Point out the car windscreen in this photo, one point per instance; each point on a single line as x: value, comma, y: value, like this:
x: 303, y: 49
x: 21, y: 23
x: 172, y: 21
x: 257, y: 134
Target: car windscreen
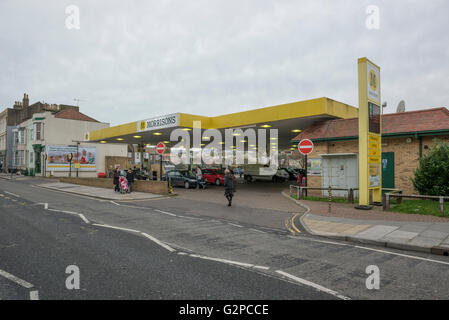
x: 188, y: 174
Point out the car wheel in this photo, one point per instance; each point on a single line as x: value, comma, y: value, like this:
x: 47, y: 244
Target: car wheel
x: 248, y: 178
x: 217, y: 182
x: 186, y: 185
x: 275, y: 179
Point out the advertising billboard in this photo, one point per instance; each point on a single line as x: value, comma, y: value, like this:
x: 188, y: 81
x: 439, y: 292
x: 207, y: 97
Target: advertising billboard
x: 58, y: 158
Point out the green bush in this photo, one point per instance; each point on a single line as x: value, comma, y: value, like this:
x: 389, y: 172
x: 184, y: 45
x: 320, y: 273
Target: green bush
x: 432, y: 176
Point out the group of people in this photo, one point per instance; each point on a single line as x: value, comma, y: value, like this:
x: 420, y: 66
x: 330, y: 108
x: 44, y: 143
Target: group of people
x: 123, y: 182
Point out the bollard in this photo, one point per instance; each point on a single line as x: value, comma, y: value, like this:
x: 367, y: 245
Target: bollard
x: 387, y: 202
x: 351, y: 196
x: 298, y: 193
x: 442, y: 205
x: 330, y: 198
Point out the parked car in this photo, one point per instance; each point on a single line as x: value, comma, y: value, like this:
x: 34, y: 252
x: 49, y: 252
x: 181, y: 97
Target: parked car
x: 292, y: 175
x: 214, y: 176
x: 183, y: 178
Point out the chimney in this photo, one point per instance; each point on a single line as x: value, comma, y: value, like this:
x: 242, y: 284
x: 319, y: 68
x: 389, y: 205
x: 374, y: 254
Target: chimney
x: 26, y: 101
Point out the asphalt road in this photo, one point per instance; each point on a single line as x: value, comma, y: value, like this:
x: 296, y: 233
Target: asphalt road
x: 190, y: 250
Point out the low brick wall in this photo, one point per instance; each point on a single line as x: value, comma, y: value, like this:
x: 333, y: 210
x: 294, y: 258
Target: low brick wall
x: 149, y: 186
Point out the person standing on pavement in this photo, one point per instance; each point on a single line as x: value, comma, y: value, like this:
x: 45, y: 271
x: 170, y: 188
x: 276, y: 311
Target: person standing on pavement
x: 117, y: 179
x: 130, y: 178
x: 229, y: 186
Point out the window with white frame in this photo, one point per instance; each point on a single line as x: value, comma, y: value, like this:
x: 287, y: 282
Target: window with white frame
x: 19, y: 158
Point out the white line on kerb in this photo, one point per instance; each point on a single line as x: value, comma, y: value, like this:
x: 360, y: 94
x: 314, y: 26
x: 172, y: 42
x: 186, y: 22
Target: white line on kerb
x: 313, y: 285
x: 13, y: 194
x: 262, y: 267
x: 165, y: 212
x: 13, y: 278
x: 163, y: 245
x: 112, y: 227
x: 34, y: 295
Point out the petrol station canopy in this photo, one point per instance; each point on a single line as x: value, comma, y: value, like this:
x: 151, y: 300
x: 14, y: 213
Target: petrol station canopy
x: 289, y: 119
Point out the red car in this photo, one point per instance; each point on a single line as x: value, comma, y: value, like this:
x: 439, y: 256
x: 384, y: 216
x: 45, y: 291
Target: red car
x: 214, y: 176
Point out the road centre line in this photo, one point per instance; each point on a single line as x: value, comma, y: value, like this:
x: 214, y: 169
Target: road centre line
x: 248, y: 265
x: 158, y: 242
x: 112, y: 227
x: 15, y: 279
x: 235, y: 225
x: 84, y: 218
x: 165, y: 212
x: 12, y: 194
x: 312, y: 284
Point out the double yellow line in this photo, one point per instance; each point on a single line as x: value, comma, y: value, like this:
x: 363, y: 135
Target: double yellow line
x: 290, y: 224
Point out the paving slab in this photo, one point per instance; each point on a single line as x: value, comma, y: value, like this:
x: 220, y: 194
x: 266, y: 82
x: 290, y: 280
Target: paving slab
x: 425, y: 242
x: 377, y: 232
x: 434, y: 234
x: 400, y: 235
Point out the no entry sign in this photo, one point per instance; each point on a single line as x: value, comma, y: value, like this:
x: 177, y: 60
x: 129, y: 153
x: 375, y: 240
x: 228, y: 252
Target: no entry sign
x: 160, y: 148
x: 305, y: 146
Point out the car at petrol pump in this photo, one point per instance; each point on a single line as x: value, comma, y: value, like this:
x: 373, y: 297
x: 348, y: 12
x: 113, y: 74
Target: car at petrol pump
x: 214, y: 176
x: 183, y: 178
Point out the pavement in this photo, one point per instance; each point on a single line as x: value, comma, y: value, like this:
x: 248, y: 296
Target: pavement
x: 101, y: 193
x: 412, y: 232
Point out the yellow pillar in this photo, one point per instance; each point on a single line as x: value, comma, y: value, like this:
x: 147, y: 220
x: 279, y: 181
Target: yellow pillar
x: 370, y: 126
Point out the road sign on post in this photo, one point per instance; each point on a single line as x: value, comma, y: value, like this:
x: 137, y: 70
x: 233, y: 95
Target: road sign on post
x: 305, y: 147
x: 160, y: 148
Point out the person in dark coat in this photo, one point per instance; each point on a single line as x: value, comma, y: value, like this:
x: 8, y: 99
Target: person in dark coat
x: 117, y: 179
x: 130, y: 178
x: 229, y: 186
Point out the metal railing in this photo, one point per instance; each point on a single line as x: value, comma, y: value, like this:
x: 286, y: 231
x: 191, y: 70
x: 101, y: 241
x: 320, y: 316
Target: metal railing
x: 399, y: 196
x: 300, y: 191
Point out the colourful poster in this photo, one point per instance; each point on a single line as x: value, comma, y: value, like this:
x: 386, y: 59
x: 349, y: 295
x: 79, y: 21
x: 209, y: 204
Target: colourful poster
x: 58, y: 158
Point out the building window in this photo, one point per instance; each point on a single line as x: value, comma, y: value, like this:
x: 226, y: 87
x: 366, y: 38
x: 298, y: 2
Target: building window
x: 19, y: 158
x: 31, y: 158
x: 38, y: 134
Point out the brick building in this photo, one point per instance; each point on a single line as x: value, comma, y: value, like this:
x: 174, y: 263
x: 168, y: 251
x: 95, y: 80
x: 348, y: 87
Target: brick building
x: 406, y: 137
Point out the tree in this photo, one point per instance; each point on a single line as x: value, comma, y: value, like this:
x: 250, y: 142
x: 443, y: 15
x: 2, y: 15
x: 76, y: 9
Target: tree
x: 432, y: 176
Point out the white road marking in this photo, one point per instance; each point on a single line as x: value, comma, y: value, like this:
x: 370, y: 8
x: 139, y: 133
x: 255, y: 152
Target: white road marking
x: 257, y: 230
x: 182, y: 253
x: 112, y: 227
x: 223, y: 260
x: 84, y: 218
x: 113, y: 202
x: 321, y: 241
x: 13, y: 194
x: 313, y: 285
x: 191, y: 218
x: 15, y: 279
x: 165, y: 212
x: 163, y: 245
x: 235, y: 225
x: 403, y: 255
x: 34, y: 295
x: 262, y: 267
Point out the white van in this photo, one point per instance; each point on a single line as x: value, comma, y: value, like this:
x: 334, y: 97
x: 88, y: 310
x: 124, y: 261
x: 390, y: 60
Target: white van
x: 255, y: 172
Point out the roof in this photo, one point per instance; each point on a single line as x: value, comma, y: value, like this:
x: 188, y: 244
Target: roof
x: 405, y: 122
x: 72, y: 114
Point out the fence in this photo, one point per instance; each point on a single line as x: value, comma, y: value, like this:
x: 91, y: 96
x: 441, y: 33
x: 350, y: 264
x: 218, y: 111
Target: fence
x: 387, y: 196
x: 301, y: 190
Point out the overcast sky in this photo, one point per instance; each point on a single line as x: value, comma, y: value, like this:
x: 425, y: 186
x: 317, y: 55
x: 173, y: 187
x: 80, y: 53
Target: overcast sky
x: 132, y: 60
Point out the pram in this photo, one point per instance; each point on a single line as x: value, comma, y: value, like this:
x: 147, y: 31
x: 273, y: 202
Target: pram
x: 123, y: 185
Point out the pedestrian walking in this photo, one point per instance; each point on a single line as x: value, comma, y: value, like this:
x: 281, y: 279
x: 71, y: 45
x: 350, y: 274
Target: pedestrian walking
x: 130, y: 178
x: 117, y: 179
x: 229, y: 186
x: 198, y: 176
